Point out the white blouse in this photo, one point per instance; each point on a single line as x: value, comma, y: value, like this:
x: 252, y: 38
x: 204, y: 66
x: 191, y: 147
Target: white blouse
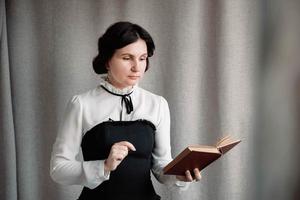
x: 85, y: 111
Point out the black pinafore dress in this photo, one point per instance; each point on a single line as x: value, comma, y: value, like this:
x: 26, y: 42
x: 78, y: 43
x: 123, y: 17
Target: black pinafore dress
x: 132, y: 178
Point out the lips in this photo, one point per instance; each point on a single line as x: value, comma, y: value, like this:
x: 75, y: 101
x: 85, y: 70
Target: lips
x: 133, y: 77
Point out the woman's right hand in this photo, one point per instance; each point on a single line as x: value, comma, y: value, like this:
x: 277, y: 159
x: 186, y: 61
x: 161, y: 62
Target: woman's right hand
x: 117, y: 153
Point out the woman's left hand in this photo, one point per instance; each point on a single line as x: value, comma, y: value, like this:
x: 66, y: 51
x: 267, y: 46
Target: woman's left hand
x: 188, y: 177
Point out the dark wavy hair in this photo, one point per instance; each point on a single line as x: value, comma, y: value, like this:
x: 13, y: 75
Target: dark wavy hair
x: 119, y: 35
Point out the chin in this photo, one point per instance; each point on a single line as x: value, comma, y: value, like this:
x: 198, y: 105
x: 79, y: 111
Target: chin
x: 132, y: 82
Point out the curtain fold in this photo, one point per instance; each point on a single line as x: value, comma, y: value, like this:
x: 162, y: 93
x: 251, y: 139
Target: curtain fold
x: 8, y: 183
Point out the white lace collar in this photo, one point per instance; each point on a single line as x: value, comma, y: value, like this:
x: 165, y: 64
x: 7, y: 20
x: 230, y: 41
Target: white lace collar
x: 113, y: 89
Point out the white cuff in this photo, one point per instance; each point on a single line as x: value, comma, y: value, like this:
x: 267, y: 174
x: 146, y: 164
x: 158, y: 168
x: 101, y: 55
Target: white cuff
x: 94, y: 173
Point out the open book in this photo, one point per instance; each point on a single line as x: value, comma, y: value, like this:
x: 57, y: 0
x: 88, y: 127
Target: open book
x: 199, y: 156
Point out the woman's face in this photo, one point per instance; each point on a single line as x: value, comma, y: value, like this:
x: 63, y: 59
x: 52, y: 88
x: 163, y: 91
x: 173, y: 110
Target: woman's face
x: 128, y: 64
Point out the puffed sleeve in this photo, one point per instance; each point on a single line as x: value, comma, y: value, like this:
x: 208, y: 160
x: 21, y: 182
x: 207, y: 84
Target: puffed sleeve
x: 162, y: 151
x: 64, y: 167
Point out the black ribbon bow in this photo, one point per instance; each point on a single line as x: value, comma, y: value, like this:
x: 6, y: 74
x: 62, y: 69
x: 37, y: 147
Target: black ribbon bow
x: 125, y: 98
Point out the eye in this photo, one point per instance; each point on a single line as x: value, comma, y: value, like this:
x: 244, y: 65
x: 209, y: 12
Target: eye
x: 126, y: 58
x: 143, y: 58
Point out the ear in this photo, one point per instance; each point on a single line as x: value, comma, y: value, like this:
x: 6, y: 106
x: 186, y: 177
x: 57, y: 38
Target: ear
x: 107, y: 66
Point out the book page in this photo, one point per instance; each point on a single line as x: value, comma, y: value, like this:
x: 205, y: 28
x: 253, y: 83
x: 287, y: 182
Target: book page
x: 204, y: 148
x: 227, y: 144
x: 223, y: 140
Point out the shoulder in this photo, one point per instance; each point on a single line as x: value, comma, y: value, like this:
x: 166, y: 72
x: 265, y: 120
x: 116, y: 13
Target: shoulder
x: 156, y: 103
x: 151, y: 96
x: 85, y: 99
x: 91, y: 93
x: 88, y: 95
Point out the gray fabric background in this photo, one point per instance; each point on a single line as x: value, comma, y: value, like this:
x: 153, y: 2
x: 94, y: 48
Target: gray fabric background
x: 225, y: 67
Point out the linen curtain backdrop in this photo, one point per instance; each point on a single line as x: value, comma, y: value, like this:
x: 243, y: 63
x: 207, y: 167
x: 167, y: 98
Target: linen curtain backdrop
x: 225, y: 67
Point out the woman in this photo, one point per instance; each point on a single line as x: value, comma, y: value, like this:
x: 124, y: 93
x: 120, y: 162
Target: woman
x: 122, y: 129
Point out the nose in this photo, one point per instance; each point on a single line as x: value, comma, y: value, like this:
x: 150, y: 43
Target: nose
x: 135, y: 66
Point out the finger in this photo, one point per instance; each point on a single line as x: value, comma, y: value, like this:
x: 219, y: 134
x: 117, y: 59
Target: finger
x: 118, y: 158
x: 119, y: 147
x: 188, y: 175
x: 120, y: 155
x: 197, y: 174
x: 128, y: 145
x: 181, y: 178
x: 114, y: 151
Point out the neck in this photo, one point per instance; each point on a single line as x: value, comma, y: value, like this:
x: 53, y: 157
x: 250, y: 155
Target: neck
x: 111, y: 87
x: 116, y: 85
